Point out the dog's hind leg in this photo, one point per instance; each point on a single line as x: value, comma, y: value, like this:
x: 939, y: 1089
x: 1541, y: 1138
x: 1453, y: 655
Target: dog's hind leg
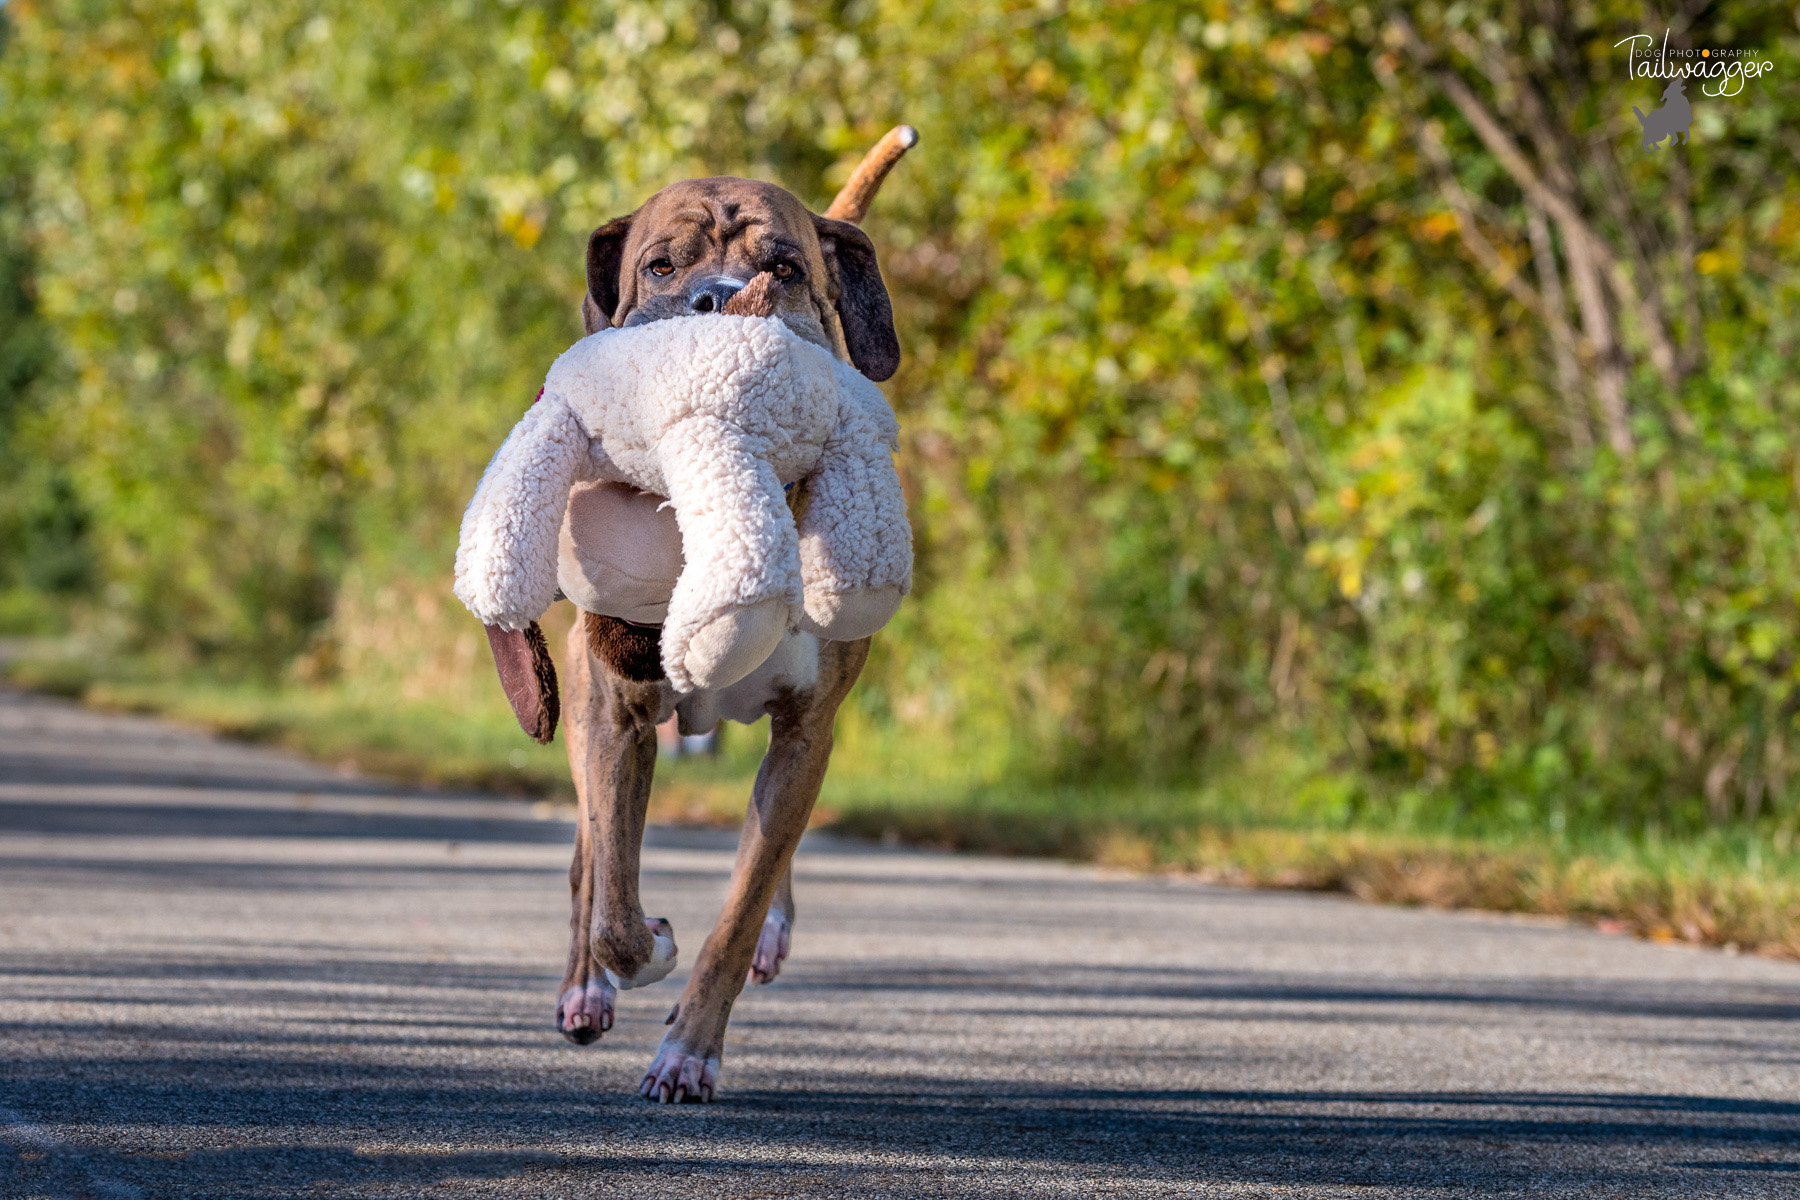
x: 777, y: 932
x: 611, y: 732
x: 686, y: 1067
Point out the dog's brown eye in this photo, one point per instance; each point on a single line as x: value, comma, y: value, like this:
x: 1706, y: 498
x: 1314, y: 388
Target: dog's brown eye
x: 662, y: 266
x: 784, y: 270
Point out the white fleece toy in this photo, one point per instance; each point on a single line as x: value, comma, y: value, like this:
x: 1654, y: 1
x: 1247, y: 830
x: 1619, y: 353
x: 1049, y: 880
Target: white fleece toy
x: 718, y: 413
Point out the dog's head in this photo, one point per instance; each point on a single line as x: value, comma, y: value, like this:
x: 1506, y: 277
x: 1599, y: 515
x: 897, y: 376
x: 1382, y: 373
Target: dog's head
x: 694, y: 245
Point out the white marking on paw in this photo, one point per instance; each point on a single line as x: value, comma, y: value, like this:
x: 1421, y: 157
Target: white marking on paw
x: 662, y: 961
x: 771, y: 948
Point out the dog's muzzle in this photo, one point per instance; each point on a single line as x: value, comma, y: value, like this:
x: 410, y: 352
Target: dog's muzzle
x: 711, y: 294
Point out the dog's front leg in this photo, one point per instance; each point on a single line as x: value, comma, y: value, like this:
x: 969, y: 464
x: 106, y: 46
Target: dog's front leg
x: 611, y: 732
x: 687, y: 1065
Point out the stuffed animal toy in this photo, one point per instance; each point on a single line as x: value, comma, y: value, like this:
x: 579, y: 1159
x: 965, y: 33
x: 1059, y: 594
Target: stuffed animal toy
x: 650, y: 481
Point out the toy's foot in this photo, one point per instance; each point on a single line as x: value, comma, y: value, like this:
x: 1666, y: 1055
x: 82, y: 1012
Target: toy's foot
x: 849, y: 616
x: 678, y: 1075
x: 663, y: 957
x: 585, y: 1010
x: 728, y: 647
x: 771, y: 949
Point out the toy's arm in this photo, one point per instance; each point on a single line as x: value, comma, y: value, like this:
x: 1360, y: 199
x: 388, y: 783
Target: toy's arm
x: 855, y: 543
x: 506, y: 556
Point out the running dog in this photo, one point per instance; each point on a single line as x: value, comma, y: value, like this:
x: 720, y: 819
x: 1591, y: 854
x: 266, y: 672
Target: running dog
x: 705, y: 246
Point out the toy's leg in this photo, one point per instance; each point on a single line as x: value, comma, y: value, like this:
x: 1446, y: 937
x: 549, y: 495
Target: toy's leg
x: 687, y: 1065
x: 855, y: 543
x: 611, y: 731
x: 732, y: 604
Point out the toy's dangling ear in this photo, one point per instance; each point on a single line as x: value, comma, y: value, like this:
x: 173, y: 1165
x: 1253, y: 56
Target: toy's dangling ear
x: 528, y: 675
x: 754, y: 299
x: 862, y: 298
x: 605, y: 257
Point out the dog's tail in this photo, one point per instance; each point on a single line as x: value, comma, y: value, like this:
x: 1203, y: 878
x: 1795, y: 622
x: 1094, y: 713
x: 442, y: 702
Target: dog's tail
x: 1640, y: 116
x: 852, y: 203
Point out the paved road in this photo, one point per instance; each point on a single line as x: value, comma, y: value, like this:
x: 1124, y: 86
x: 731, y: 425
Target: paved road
x: 226, y: 973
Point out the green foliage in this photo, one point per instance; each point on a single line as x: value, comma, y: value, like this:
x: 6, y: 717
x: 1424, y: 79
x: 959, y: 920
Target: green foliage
x: 1255, y: 395
x: 41, y: 547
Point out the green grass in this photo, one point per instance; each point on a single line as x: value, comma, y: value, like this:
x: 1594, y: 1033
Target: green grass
x: 445, y: 741
x: 1275, y: 819
x: 405, y: 739
x: 1736, y: 888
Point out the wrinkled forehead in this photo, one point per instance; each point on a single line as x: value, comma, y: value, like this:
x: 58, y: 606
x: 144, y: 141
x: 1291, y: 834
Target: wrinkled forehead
x: 692, y: 216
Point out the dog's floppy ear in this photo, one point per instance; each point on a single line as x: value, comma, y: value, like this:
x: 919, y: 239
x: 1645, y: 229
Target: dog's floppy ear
x: 605, y: 255
x: 862, y: 299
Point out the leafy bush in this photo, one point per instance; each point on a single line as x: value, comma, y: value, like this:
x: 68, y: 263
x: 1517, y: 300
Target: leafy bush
x: 1316, y: 376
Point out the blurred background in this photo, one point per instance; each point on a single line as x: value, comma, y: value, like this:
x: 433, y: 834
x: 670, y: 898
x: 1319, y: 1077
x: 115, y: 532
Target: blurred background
x: 1339, y: 452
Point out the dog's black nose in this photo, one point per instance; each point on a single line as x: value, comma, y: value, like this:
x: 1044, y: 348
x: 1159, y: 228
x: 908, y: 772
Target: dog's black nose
x: 713, y: 294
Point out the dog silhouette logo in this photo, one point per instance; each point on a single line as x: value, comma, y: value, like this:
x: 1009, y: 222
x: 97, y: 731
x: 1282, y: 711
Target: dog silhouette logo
x: 1672, y: 119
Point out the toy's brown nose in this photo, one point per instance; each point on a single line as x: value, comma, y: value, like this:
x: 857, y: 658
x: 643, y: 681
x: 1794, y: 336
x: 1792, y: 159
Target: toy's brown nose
x: 713, y: 294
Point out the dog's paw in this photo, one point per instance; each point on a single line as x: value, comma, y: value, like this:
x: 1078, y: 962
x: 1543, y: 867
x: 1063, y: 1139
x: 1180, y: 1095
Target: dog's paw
x: 663, y: 956
x: 771, y: 948
x: 585, y: 1011
x: 677, y: 1076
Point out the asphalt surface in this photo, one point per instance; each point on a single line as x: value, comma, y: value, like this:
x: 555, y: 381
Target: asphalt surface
x: 227, y: 973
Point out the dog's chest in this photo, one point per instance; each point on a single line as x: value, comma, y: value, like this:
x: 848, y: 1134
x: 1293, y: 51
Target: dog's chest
x: 794, y: 666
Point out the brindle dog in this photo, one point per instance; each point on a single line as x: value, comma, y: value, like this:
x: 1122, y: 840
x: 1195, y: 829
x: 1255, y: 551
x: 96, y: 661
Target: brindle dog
x: 704, y: 246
